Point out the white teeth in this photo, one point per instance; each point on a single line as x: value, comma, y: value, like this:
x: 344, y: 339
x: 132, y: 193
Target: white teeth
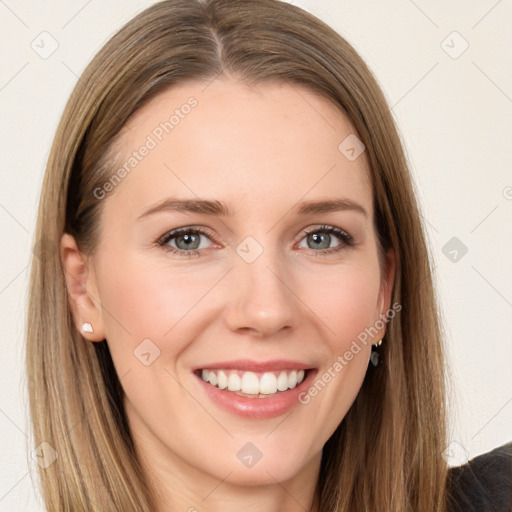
x: 222, y: 380
x: 234, y: 382
x: 213, y: 378
x: 250, y: 383
x: 292, y: 379
x: 282, y: 382
x: 268, y: 384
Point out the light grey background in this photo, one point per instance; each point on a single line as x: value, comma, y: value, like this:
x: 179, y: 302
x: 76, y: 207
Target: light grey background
x: 453, y: 108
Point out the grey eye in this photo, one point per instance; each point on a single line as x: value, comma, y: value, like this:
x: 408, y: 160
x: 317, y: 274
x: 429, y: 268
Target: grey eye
x: 188, y: 241
x: 319, y: 240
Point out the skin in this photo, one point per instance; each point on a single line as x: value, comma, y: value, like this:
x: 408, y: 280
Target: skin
x: 261, y: 150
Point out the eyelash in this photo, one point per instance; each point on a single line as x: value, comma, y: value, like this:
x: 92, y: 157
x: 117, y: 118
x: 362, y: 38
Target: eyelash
x: 347, y: 240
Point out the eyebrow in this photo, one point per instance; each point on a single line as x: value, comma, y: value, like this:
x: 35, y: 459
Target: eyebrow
x: 214, y: 207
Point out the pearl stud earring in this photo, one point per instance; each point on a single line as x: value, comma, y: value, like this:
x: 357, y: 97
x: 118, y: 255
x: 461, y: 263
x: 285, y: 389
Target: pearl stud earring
x: 87, y: 327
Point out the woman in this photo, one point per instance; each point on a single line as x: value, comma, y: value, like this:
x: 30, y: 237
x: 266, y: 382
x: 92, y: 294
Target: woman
x: 234, y: 306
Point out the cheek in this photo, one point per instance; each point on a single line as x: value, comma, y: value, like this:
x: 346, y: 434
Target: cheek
x: 346, y: 300
x: 142, y: 300
x: 346, y: 303
x: 151, y: 314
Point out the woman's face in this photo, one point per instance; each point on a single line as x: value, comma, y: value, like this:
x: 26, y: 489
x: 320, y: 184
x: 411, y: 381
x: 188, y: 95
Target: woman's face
x: 273, y: 278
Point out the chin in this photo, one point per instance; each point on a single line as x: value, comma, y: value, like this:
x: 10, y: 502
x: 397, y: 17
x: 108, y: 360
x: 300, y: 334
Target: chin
x: 252, y: 466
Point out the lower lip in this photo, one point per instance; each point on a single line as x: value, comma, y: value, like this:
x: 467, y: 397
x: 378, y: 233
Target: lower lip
x: 270, y: 406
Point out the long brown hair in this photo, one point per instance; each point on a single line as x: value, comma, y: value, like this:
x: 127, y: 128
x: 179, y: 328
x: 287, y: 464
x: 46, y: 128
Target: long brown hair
x: 386, y: 455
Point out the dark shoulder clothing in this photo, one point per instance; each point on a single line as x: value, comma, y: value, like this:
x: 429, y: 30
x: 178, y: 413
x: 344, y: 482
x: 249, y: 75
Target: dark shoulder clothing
x: 484, y: 484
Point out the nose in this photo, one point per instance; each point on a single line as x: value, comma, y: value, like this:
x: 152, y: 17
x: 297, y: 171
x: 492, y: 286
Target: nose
x: 261, y: 299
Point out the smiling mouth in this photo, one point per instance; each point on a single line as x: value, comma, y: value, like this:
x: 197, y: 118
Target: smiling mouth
x: 253, y: 384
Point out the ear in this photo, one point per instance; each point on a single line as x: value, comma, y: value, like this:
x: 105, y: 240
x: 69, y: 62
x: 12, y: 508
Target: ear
x: 82, y: 290
x: 386, y: 287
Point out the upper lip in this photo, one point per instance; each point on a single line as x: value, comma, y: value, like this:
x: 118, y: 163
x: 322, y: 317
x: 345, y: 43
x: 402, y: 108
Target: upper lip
x: 255, y: 366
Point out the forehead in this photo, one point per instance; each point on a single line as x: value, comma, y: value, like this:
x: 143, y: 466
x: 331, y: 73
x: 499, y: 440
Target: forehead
x: 228, y: 140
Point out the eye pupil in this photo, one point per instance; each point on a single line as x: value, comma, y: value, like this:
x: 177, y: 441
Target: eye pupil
x: 324, y: 239
x: 189, y: 240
